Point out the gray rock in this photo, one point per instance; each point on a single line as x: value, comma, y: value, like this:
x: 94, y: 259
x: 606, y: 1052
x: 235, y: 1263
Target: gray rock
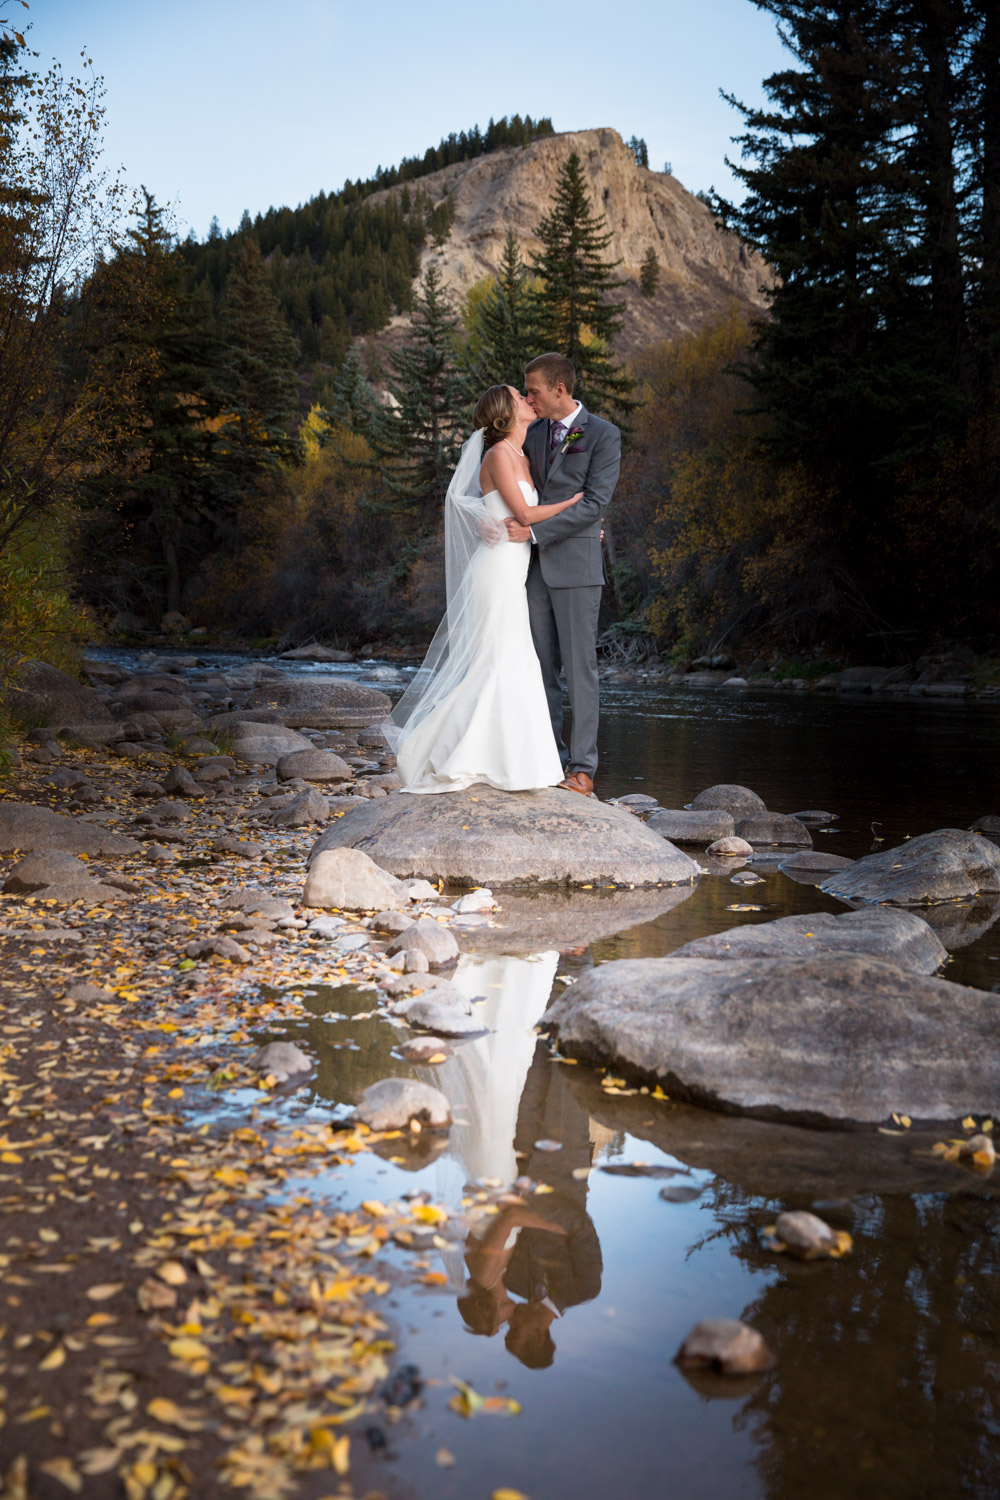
x: 990, y: 825
x: 266, y: 744
x: 43, y: 690
x: 415, y: 962
x: 815, y: 818
x: 241, y: 848
x: 773, y: 828
x: 25, y: 828
x: 257, y: 903
x: 209, y: 775
x: 390, y: 921
x: 443, y: 1010
x: 89, y: 994
x: 157, y: 854
x: 806, y: 1235
x: 179, y: 779
x: 308, y: 807
x: 280, y: 1060
x: 480, y: 900
x: 428, y: 937
x: 901, y: 937
x: 148, y: 789
x: 315, y: 652
x: 725, y: 1345
x: 66, y: 892
x: 321, y: 702
x: 167, y: 811
x: 51, y: 867
x: 637, y: 799
x: 348, y: 880
x: 421, y: 890
x: 836, y: 1038
x: 813, y: 861
x: 730, y: 848
x: 313, y: 765
x: 946, y: 865
x: 327, y: 927
x: 738, y: 800
x: 685, y: 827
x: 388, y: 781
x: 484, y: 837
x: 392, y: 1103
x: 218, y: 947
x: 959, y: 923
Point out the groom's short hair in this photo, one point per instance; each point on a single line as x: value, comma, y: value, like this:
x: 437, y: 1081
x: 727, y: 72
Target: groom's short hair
x: 553, y: 368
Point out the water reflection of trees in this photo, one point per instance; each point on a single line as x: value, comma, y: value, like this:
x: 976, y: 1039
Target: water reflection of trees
x: 887, y: 1369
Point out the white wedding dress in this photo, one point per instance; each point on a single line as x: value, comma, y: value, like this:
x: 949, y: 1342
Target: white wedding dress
x: 477, y: 711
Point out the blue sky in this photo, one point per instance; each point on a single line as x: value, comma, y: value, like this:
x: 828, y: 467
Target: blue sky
x: 221, y: 106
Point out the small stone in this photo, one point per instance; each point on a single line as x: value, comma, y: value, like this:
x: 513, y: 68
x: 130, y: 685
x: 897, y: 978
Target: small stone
x: 179, y: 779
x: 313, y: 765
x: 242, y: 848
x: 392, y: 1103
x: 391, y: 922
x: 421, y: 890
x: 168, y: 811
x: 148, y: 789
x: 479, y: 900
x: 773, y: 828
x: 724, y: 1344
x: 444, y: 1010
x: 731, y: 847
x: 738, y: 800
x: 637, y: 799
x: 414, y: 961
x: 88, y: 994
x: 158, y: 855
x: 979, y: 1147
x: 209, y: 775
x: 681, y: 826
x: 280, y: 1060
x: 308, y: 807
x: 433, y: 940
x: 218, y: 947
x: 807, y: 1237
x: 814, y: 818
x: 424, y: 1049
x: 327, y: 927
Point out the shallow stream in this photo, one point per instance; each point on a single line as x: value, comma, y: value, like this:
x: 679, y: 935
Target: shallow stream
x: 646, y: 1216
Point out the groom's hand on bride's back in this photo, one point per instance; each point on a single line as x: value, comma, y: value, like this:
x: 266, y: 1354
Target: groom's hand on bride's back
x: 516, y: 532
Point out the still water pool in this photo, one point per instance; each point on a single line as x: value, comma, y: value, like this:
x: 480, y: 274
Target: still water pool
x: 649, y: 1214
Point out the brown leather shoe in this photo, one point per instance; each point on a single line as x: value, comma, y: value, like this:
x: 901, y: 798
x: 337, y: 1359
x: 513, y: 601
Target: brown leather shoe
x: 579, y: 781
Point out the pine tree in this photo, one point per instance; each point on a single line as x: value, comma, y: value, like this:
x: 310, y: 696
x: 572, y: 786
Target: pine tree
x: 569, y: 311
x: 639, y: 150
x: 259, y: 381
x: 353, y: 404
x: 500, y: 340
x: 649, y: 274
x: 423, y: 436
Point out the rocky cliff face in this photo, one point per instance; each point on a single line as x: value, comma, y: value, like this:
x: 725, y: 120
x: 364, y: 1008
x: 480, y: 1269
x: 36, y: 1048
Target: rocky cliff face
x: 702, y: 269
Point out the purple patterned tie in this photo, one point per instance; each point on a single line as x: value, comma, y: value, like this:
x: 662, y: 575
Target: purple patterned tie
x: 556, y: 434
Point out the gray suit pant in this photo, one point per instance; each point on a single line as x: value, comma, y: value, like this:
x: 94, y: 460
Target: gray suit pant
x: 564, y: 630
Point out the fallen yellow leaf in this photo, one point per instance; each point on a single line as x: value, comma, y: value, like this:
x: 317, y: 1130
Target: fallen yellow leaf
x: 53, y: 1360
x: 104, y: 1290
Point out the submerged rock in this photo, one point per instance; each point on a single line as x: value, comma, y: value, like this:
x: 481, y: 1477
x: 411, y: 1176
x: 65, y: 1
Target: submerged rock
x: 941, y: 866
x: 282, y: 1060
x: 726, y: 1345
x: 730, y: 848
x: 834, y: 1038
x: 428, y: 937
x: 773, y: 828
x: 899, y: 936
x: 484, y: 837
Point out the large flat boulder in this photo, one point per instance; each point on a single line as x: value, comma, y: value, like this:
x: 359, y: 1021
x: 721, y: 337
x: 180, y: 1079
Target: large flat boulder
x: 321, y: 702
x: 949, y: 864
x: 25, y: 827
x: 880, y: 931
x: 843, y: 1039
x: 57, y: 700
x: 481, y: 836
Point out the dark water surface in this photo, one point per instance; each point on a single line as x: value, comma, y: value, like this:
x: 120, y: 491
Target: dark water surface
x: 887, y: 1375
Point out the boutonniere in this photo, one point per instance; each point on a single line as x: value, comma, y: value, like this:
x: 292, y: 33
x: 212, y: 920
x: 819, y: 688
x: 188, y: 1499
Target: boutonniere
x: 570, y: 438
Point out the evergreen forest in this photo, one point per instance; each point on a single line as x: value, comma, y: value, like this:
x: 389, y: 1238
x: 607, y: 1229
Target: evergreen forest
x: 209, y: 428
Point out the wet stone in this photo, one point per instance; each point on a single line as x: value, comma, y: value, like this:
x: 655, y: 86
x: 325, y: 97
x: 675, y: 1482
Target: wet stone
x: 430, y: 938
x: 218, y: 947
x: 280, y: 1060
x: 726, y: 1345
x: 730, y: 848
x: 392, y: 1103
x: 731, y: 798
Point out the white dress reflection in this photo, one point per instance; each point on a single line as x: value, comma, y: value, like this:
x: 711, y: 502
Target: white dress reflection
x: 484, y: 1079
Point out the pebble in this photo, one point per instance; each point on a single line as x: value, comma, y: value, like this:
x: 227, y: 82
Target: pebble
x: 726, y: 1345
x: 392, y: 1103
x: 280, y: 1060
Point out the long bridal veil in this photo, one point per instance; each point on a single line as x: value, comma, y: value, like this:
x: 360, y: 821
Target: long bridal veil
x: 468, y: 531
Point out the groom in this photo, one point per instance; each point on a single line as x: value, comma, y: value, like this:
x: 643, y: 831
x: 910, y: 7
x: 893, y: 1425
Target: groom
x: 569, y: 449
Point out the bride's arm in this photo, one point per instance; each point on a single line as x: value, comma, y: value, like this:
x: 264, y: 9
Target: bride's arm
x: 499, y: 470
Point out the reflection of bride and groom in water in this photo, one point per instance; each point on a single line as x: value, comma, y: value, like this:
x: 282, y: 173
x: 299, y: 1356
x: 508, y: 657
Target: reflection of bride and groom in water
x: 523, y: 1267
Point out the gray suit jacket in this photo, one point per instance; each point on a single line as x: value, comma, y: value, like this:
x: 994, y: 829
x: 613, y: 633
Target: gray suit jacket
x: 569, y: 545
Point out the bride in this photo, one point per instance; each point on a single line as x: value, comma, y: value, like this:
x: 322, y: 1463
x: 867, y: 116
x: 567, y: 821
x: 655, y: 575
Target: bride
x: 476, y: 710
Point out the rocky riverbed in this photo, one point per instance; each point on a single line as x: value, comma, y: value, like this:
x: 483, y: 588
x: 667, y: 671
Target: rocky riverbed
x: 191, y: 1300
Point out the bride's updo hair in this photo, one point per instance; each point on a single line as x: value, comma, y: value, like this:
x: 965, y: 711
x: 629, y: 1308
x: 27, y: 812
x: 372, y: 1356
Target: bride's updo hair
x: 496, y: 414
